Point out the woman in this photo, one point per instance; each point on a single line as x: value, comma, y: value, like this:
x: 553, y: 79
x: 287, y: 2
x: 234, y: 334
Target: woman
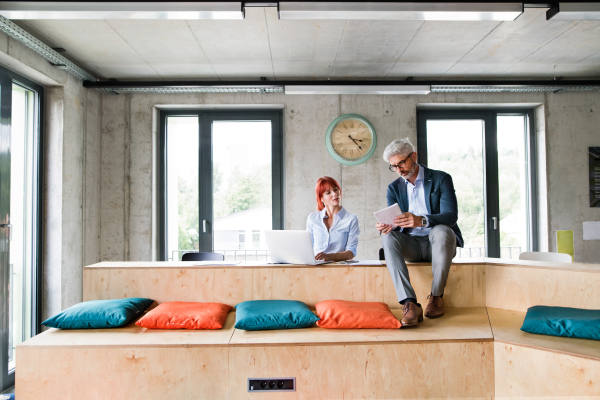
x: 333, y: 230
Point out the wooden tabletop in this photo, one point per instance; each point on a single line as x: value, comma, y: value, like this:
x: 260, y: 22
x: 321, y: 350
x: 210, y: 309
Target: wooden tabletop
x: 506, y: 326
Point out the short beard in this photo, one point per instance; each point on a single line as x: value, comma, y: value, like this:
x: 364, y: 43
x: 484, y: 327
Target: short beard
x: 411, y: 171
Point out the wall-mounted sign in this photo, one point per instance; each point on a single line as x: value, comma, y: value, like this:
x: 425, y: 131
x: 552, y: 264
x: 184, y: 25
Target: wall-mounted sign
x: 594, y: 155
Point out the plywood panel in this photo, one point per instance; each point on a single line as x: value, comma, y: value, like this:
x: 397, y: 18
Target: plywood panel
x: 464, y: 287
x: 159, y: 284
x: 525, y: 372
x: 262, y: 284
x: 95, y: 284
x: 205, y: 285
x: 458, y: 324
x: 506, y: 326
x: 390, y: 371
x: 518, y: 288
x: 122, y: 373
x: 315, y: 284
x: 374, y: 278
x: 232, y: 286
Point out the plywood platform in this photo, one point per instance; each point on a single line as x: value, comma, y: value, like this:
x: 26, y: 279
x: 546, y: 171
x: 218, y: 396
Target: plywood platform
x: 458, y: 325
x: 472, y: 352
x: 506, y: 326
x: 133, y: 336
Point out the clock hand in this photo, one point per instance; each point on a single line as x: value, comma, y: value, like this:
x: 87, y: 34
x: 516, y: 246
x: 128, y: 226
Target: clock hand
x: 355, y: 142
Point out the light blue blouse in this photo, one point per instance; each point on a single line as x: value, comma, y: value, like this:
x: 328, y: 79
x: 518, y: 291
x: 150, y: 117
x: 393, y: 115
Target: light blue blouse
x: 342, y: 236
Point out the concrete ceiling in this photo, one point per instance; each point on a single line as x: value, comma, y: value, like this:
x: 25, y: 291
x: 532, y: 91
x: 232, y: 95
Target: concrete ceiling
x: 264, y: 46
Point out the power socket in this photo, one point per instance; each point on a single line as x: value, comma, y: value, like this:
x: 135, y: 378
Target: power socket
x: 271, y: 385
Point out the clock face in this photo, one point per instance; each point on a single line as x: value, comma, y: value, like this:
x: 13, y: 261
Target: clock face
x: 351, y: 139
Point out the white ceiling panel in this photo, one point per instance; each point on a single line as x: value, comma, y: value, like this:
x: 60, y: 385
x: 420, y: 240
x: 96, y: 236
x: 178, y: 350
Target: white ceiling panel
x: 439, y: 45
x: 371, y: 48
x: 169, y: 47
x: 507, y: 45
x: 95, y: 45
x: 567, y: 52
x: 236, y: 49
x: 303, y: 49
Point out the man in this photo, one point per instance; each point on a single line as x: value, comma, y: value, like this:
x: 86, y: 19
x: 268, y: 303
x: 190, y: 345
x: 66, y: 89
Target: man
x: 426, y: 231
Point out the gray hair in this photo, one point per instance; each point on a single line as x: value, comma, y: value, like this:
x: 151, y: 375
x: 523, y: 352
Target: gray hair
x: 402, y: 147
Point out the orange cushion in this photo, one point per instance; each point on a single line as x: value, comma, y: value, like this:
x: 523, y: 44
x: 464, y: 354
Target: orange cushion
x: 340, y: 314
x: 182, y: 315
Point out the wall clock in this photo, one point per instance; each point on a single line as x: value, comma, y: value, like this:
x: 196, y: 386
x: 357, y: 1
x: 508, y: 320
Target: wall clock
x: 351, y: 139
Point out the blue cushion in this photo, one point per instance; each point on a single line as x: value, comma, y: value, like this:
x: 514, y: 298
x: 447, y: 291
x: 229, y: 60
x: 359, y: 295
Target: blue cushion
x: 563, y: 321
x: 258, y: 315
x: 99, y: 314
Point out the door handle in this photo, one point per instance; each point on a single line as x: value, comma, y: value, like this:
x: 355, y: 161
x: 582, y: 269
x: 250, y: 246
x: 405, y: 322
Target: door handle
x: 495, y: 221
x: 9, y: 227
x: 204, y: 223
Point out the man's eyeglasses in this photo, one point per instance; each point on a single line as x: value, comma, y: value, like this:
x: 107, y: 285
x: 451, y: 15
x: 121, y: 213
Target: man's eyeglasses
x: 401, y: 164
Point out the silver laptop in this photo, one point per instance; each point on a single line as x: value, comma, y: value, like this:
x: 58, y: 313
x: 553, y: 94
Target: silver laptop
x: 291, y: 247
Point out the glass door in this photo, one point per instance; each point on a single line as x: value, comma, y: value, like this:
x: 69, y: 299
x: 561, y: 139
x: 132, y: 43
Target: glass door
x: 20, y: 208
x: 242, y: 188
x: 222, y: 174
x: 456, y: 147
x: 489, y: 155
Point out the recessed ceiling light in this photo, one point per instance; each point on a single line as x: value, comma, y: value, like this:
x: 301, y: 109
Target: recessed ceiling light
x: 401, y: 11
x: 120, y: 10
x: 574, y: 12
x: 357, y: 89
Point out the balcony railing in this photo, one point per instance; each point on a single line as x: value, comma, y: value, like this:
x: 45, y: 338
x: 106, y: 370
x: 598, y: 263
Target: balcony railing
x: 263, y: 255
x: 230, y: 255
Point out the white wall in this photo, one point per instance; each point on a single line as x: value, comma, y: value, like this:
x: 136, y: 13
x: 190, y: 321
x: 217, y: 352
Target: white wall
x: 128, y: 134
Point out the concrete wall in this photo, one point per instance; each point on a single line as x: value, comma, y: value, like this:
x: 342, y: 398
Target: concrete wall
x: 568, y: 126
x: 71, y: 130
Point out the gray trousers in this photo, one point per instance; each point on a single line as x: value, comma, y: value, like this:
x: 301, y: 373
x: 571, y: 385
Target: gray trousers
x: 439, y: 247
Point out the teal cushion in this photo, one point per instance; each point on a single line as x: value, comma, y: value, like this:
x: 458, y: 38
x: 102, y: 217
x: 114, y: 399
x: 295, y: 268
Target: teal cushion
x: 99, y: 314
x: 258, y: 315
x: 563, y: 321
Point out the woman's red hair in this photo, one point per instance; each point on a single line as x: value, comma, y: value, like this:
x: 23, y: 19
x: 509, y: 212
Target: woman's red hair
x: 321, y: 187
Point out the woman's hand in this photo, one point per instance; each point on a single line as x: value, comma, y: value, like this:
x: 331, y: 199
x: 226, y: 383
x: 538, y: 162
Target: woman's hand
x: 384, y: 228
x: 323, y: 256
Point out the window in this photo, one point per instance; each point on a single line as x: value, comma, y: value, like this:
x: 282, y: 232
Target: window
x: 222, y: 174
x: 489, y: 154
x: 20, y: 215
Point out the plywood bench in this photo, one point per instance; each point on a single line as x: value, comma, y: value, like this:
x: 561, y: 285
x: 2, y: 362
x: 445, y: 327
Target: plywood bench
x: 451, y: 357
x: 471, y: 352
x: 528, y: 365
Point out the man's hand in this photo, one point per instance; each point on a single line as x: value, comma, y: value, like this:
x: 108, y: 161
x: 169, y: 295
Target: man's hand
x: 322, y: 256
x: 384, y: 228
x: 408, y: 220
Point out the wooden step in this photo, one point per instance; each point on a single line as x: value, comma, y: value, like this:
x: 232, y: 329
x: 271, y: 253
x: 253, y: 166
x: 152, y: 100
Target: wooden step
x: 540, y: 366
x: 450, y: 357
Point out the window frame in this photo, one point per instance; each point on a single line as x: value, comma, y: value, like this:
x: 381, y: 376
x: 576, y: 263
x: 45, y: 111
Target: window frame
x: 7, y: 79
x: 205, y: 120
x: 490, y: 154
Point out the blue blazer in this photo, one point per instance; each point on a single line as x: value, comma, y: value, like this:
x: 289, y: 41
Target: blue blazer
x: 439, y: 197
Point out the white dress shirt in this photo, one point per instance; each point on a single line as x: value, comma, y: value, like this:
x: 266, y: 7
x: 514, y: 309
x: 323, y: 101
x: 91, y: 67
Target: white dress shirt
x: 416, y: 203
x: 342, y: 236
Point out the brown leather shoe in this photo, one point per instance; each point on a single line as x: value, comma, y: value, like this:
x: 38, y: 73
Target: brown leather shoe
x: 435, y: 307
x: 412, y: 314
